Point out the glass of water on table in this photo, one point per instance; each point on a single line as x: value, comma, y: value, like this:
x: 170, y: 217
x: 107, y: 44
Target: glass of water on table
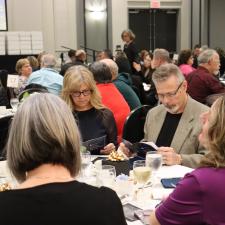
x: 85, y: 162
x: 154, y: 161
x: 14, y: 102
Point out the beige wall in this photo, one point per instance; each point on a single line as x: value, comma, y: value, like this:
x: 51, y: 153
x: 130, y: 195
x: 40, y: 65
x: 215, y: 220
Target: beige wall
x: 57, y: 21
x: 119, y: 21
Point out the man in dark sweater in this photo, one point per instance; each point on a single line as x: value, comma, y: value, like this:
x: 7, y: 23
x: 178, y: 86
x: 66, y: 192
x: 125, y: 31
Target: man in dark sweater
x: 203, y: 81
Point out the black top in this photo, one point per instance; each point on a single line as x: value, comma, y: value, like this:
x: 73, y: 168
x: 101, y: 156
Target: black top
x: 4, y: 97
x: 96, y: 123
x: 168, y: 129
x: 132, y: 54
x: 66, y: 66
x: 61, y: 204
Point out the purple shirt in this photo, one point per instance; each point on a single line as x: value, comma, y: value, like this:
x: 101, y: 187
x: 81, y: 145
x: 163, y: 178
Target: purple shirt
x: 199, y: 198
x: 201, y: 84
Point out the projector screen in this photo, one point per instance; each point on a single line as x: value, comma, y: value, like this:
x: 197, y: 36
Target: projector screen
x: 3, y: 16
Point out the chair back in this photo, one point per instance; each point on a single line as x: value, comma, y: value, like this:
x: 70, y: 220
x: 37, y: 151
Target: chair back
x: 133, y: 129
x: 210, y: 99
x: 4, y: 130
x: 29, y: 91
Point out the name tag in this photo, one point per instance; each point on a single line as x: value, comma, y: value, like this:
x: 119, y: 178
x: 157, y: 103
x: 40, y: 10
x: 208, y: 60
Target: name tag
x: 13, y: 81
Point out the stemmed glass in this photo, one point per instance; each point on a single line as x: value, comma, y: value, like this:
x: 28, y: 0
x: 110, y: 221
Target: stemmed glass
x: 141, y: 172
x: 154, y: 161
x: 14, y: 102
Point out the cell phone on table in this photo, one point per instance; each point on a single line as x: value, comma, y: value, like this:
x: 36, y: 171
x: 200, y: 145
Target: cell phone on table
x: 143, y: 215
x: 170, y: 182
x: 129, y: 211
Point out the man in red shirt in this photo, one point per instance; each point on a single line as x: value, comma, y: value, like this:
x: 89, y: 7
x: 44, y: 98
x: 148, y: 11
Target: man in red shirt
x: 203, y: 81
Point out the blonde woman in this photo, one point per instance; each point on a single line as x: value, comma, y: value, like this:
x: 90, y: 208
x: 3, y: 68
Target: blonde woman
x: 96, y: 122
x: 24, y: 69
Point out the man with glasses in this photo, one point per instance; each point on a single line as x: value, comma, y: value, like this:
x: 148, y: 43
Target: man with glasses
x: 203, y: 81
x: 174, y: 125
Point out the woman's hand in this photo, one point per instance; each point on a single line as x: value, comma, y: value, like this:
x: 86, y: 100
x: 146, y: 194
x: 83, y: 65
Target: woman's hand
x: 137, y: 66
x: 108, y: 149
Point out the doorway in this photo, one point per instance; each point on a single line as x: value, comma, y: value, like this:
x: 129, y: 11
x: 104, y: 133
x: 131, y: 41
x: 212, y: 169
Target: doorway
x: 154, y: 28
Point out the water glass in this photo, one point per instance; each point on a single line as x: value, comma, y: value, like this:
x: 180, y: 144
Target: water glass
x: 85, y: 162
x: 14, y: 102
x: 106, y: 176
x: 154, y: 161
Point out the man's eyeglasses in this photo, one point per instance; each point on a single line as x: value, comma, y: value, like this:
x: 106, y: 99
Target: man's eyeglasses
x: 169, y: 94
x: 78, y: 93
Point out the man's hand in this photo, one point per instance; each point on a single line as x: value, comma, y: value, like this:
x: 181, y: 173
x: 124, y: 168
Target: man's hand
x: 169, y: 156
x: 125, y: 150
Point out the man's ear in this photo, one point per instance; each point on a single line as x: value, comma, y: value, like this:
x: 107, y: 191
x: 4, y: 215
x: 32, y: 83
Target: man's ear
x: 185, y: 84
x: 210, y: 62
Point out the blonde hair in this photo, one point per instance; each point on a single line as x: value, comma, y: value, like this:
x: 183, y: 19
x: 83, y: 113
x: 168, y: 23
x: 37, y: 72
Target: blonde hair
x: 20, y: 63
x: 43, y: 131
x: 216, y: 136
x: 73, y: 79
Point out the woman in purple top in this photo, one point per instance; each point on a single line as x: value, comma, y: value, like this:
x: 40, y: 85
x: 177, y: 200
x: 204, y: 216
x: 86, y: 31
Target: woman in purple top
x: 200, y: 197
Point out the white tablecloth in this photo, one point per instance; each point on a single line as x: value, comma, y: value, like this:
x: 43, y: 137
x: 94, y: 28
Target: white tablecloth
x: 158, y: 192
x: 153, y: 195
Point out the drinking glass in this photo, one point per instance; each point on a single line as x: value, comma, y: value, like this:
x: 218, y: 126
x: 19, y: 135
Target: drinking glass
x: 107, y: 176
x: 141, y: 172
x: 14, y: 102
x: 85, y: 162
x: 154, y: 161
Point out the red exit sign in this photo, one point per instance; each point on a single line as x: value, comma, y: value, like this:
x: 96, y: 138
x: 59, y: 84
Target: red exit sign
x: 154, y: 4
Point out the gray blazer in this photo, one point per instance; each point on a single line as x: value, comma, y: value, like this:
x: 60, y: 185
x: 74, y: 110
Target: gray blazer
x: 185, y: 140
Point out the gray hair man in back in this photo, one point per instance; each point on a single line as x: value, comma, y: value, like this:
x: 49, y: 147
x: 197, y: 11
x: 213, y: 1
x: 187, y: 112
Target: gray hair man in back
x: 47, y: 76
x: 160, y: 56
x: 123, y: 83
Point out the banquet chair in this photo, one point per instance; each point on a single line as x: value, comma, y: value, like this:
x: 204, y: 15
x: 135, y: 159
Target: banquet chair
x: 30, y: 89
x: 133, y: 130
x: 210, y: 99
x: 4, y: 130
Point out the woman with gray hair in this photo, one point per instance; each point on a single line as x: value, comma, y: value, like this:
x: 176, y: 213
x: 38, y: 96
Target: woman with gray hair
x: 130, y: 48
x: 43, y: 153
